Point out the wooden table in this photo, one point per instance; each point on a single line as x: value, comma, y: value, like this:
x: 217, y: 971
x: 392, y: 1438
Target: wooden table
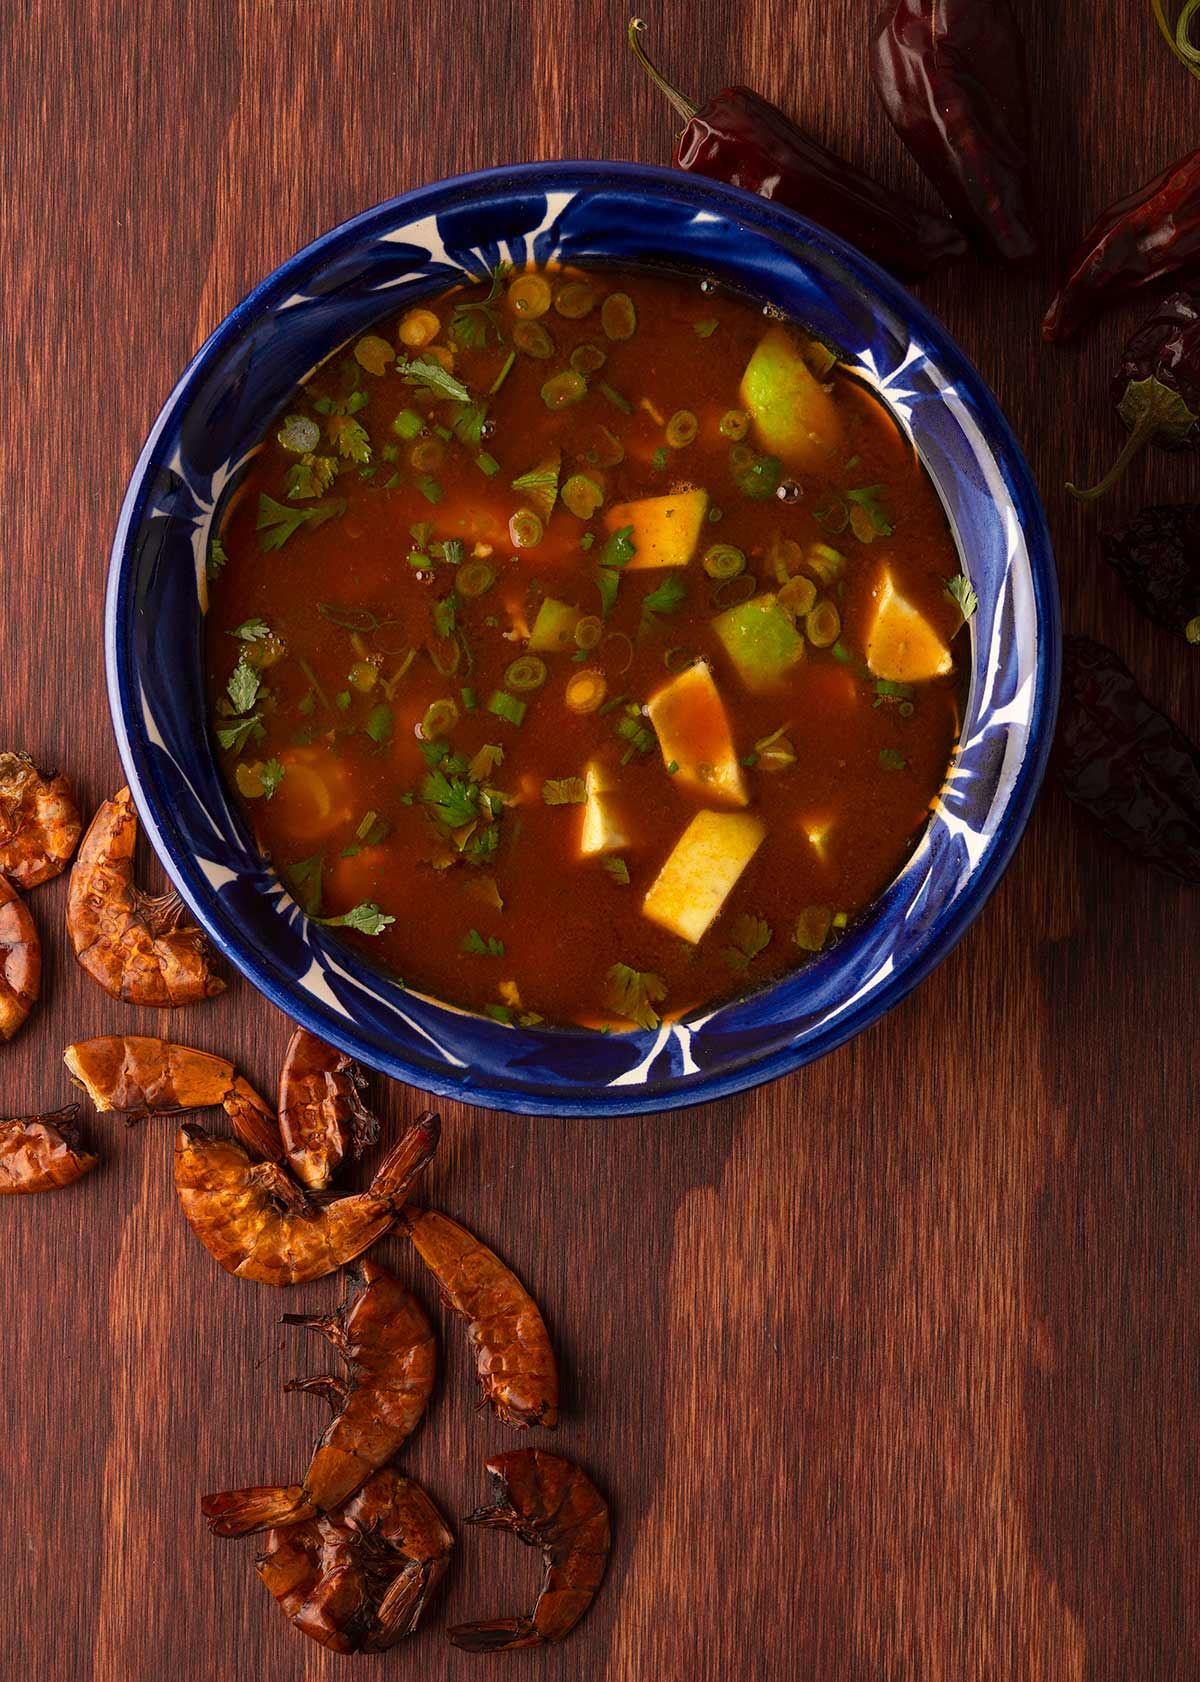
x: 890, y: 1369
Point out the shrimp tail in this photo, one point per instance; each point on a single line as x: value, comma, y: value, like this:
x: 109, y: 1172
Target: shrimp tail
x: 496, y: 1635
x: 411, y: 1153
x: 401, y: 1607
x: 240, y: 1512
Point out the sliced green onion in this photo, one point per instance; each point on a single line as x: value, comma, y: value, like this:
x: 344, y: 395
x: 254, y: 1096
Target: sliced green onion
x: 506, y: 706
x: 525, y: 530
x: 734, y: 591
x: 618, y: 317
x: 561, y: 390
x: 823, y: 625
x: 487, y: 464
x: 682, y: 429
x: 585, y: 691
x: 797, y: 598
x: 526, y: 673
x: 582, y: 496
x: 532, y: 338
x: 475, y: 579
x: 439, y: 720
x: 678, y: 659
x: 735, y: 424
x: 588, y: 359
x: 723, y: 561
x: 589, y: 631
x: 429, y: 489
x: 575, y: 300
x: 614, y: 397
x: 427, y: 455
x: 505, y: 370
x: 529, y: 295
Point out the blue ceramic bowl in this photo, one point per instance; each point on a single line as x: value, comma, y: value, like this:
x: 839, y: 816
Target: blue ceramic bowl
x: 337, y: 288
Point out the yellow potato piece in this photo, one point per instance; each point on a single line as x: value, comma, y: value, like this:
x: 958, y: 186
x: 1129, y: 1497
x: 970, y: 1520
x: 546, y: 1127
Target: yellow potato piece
x: 902, y: 646
x: 702, y: 871
x: 602, y: 831
x: 666, y: 529
x: 693, y: 731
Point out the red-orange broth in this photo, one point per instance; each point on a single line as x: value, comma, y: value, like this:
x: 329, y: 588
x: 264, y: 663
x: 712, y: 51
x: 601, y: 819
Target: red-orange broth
x: 379, y: 579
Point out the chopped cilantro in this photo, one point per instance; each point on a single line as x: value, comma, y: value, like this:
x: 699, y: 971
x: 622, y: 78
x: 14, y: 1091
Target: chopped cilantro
x: 271, y: 776
x: 668, y: 598
x: 445, y: 614
x: 407, y: 425
x: 357, y: 400
x: 217, y: 559
x: 658, y: 461
x: 705, y: 329
x: 473, y: 941
x: 470, y: 700
x: 276, y: 521
x: 892, y: 760
x: 540, y: 484
x: 501, y: 1013
x: 379, y: 723
x: 619, y: 550
x: 564, y: 791
x: 310, y: 476
x: 434, y: 378
x: 615, y: 398
x: 748, y: 936
x: 451, y: 550
x: 468, y: 423
x: 867, y: 518
x: 586, y: 541
x: 959, y: 589
x: 252, y: 630
x: 454, y: 802
x: 618, y: 870
x: 243, y: 686
x: 350, y: 437
x: 305, y: 877
x: 485, y: 761
x: 471, y: 322
x: 429, y: 489
x: 633, y: 993
x: 236, y: 736
x: 342, y: 700
x: 366, y: 917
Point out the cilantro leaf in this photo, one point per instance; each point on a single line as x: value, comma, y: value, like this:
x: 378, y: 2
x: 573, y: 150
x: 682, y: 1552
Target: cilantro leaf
x: 867, y: 517
x: 891, y: 759
x: 540, y: 484
x: 473, y: 941
x: 271, y: 776
x: 276, y: 521
x: 633, y: 993
x: 351, y: 438
x: 310, y: 476
x: 619, y: 550
x: 705, y: 329
x: 217, y: 559
x: 366, y: 917
x: 379, y: 724
x: 486, y: 760
x: 434, y: 378
x: 243, y: 685
x: 454, y: 802
x: 668, y: 598
x: 608, y: 581
x: 467, y: 423
x: 749, y: 936
x: 305, y: 878
x: 564, y: 791
x: 236, y: 736
x: 445, y: 614
x: 252, y: 630
x: 959, y: 589
x: 618, y: 870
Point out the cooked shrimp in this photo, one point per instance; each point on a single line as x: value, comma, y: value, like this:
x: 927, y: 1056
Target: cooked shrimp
x: 20, y: 961
x: 321, y: 1114
x: 358, y: 1580
x: 513, y: 1355
x: 41, y: 1152
x: 137, y: 1076
x: 257, y: 1222
x: 39, y: 821
x: 552, y: 1505
x: 136, y: 947
x: 382, y: 1334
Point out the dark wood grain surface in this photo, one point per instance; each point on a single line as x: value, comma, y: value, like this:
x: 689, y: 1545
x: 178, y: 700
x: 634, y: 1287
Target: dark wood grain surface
x: 890, y: 1369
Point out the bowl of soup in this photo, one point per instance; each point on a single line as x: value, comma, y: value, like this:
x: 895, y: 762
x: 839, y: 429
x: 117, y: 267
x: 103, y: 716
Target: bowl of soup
x: 582, y: 639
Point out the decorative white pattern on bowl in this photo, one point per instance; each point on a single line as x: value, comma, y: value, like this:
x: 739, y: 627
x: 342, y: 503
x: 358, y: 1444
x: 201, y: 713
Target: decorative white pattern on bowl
x: 339, y: 287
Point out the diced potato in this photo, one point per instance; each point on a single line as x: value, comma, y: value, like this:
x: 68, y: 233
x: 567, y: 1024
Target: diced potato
x: 702, y: 872
x: 761, y: 640
x: 902, y: 646
x: 794, y: 417
x: 693, y: 731
x: 602, y: 831
x: 666, y: 529
x: 554, y: 628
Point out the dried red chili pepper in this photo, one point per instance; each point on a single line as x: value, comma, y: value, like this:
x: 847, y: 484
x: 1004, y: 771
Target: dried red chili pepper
x: 1146, y: 237
x: 740, y: 137
x: 1156, y: 388
x: 951, y: 76
x: 1157, y: 558
x: 1126, y: 763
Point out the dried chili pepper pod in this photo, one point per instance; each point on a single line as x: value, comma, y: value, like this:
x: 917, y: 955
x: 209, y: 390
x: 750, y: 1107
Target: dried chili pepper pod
x: 1150, y: 235
x: 1156, y: 388
x: 739, y: 137
x: 951, y: 77
x: 1126, y: 763
x: 1157, y: 558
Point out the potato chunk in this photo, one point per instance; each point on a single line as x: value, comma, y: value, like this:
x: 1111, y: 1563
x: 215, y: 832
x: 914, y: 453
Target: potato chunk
x: 702, y: 871
x: 794, y: 416
x: 902, y: 646
x: 602, y: 831
x: 761, y: 640
x: 666, y: 529
x: 693, y: 731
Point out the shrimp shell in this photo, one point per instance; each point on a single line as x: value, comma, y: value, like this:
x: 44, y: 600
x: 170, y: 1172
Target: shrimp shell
x: 39, y: 821
x: 140, y: 1076
x: 257, y: 1222
x: 552, y: 1505
x: 358, y: 1580
x: 321, y: 1114
x: 20, y: 961
x: 134, y: 946
x: 514, y: 1358
x: 41, y: 1152
x: 381, y: 1333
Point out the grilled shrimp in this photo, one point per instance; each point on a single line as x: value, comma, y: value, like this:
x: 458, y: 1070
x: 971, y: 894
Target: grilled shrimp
x: 382, y: 1335
x: 135, y: 946
x: 321, y: 1114
x: 357, y: 1580
x: 257, y: 1222
x: 513, y: 1355
x: 39, y: 821
x: 552, y: 1505
x: 41, y: 1152
x: 20, y: 961
x: 137, y: 1076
